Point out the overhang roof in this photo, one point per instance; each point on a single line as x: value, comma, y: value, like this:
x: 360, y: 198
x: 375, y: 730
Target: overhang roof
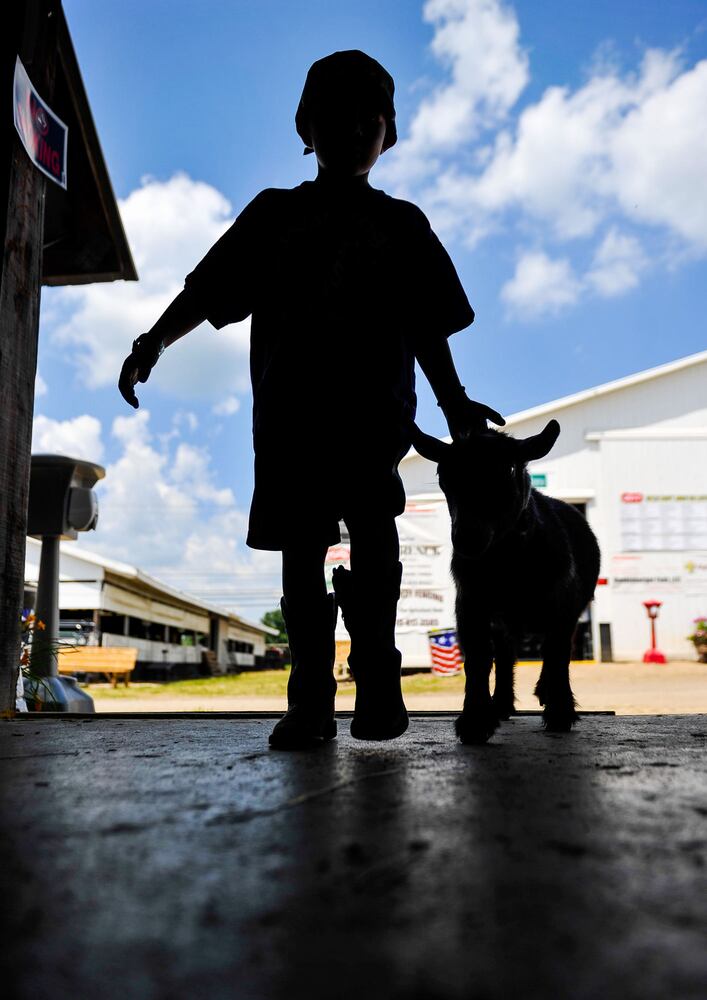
x: 84, y: 239
x: 126, y: 572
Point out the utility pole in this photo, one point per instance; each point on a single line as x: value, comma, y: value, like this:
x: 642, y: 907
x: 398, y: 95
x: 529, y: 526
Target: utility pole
x: 29, y: 30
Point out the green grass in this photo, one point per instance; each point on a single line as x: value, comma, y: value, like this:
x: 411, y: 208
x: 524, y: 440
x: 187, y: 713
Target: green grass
x: 431, y: 684
x: 258, y: 684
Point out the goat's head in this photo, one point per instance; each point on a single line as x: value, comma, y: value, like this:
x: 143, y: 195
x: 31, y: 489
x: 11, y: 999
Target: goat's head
x: 485, y: 481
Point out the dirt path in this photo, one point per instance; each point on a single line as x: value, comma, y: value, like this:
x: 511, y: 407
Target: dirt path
x: 677, y: 688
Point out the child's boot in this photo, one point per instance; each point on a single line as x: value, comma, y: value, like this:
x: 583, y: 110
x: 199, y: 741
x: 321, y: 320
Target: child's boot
x: 369, y: 608
x: 311, y: 689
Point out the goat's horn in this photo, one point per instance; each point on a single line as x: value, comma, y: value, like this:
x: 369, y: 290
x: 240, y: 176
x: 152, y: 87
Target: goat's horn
x: 428, y: 446
x: 540, y: 444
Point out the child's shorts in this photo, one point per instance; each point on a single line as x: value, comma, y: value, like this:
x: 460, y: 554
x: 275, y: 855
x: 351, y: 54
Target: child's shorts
x: 304, y: 500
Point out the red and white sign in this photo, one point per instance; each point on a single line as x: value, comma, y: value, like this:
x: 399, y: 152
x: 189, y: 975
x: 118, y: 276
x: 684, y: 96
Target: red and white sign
x: 43, y: 134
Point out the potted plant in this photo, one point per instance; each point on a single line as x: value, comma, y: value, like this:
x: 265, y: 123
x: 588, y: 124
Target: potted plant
x: 699, y: 637
x: 28, y: 682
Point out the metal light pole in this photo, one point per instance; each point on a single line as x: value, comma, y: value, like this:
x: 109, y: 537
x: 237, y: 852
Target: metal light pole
x: 61, y: 503
x: 653, y: 655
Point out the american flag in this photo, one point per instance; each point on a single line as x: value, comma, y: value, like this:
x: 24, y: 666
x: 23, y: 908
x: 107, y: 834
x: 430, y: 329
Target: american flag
x: 446, y: 655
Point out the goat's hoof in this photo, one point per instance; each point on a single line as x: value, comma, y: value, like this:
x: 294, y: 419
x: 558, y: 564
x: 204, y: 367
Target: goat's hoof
x: 476, y: 729
x: 559, y: 720
x: 541, y: 693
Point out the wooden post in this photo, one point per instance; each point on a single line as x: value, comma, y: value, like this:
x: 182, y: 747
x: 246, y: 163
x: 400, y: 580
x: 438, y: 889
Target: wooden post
x: 32, y: 36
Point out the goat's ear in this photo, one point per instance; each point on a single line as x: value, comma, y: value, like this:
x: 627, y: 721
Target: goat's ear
x: 428, y: 446
x: 540, y: 444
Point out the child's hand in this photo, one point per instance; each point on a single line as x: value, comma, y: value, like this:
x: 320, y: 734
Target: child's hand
x: 465, y: 416
x: 138, y: 365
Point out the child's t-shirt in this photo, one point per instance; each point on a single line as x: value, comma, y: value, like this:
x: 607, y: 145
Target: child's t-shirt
x: 336, y: 286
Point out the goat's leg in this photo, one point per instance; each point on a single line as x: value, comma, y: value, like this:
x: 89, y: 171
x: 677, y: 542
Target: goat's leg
x: 478, y: 720
x: 553, y: 689
x: 504, y: 659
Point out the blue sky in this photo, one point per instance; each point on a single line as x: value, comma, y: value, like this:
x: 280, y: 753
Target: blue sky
x: 557, y: 148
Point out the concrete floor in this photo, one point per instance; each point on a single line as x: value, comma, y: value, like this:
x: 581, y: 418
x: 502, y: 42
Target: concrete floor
x: 179, y: 858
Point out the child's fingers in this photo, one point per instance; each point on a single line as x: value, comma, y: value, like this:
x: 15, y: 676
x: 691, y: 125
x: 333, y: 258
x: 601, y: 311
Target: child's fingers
x: 126, y: 383
x: 129, y: 397
x: 493, y: 416
x: 483, y: 412
x: 128, y: 394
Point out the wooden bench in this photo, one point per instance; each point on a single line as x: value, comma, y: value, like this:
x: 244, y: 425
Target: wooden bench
x: 341, y: 666
x: 111, y: 662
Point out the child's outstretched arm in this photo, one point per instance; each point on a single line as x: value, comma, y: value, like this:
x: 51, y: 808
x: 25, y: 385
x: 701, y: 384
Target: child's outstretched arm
x: 179, y: 318
x: 463, y: 415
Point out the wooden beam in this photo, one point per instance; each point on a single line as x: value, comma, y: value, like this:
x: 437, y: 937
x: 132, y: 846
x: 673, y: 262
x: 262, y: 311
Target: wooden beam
x: 33, y: 26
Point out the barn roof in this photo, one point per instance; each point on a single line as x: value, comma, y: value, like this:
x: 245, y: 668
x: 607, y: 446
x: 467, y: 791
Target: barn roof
x: 137, y: 577
x: 616, y: 385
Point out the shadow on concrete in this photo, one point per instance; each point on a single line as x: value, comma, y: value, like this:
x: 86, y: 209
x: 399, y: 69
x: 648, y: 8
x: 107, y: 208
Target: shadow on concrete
x: 171, y: 859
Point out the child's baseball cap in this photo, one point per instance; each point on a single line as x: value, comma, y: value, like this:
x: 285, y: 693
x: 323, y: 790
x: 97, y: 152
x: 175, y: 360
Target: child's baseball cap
x: 345, y: 75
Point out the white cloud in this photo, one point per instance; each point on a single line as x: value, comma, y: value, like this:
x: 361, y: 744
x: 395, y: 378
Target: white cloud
x: 161, y: 509
x: 40, y: 386
x: 190, y: 470
x: 185, y: 418
x: 623, y: 150
x: 543, y: 286
x: 540, y: 286
x: 568, y: 158
x: 150, y: 498
x: 658, y: 158
x: 77, y: 438
x: 227, y: 407
x: 170, y: 225
x: 618, y: 263
x: 476, y: 41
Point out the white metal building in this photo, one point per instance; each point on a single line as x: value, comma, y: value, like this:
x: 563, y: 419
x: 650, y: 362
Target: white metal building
x: 127, y: 607
x: 633, y: 452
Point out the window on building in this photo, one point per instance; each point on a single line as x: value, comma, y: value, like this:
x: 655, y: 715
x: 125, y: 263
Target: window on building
x: 238, y: 646
x: 112, y: 624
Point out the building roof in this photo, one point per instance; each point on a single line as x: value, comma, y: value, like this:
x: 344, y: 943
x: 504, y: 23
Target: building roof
x: 125, y: 571
x: 627, y: 382
x: 84, y: 239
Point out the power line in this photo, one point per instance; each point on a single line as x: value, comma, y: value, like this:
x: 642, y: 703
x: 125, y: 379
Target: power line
x: 209, y: 574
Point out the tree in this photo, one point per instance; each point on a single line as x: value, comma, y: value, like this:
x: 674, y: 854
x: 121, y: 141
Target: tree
x: 274, y: 619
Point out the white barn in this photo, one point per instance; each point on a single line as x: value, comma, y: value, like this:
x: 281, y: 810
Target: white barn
x: 632, y: 454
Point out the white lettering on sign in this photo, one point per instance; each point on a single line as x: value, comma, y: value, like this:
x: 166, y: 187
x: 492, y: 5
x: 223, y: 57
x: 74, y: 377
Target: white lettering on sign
x: 42, y: 133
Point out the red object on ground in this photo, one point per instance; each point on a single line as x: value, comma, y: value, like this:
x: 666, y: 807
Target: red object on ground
x: 653, y: 655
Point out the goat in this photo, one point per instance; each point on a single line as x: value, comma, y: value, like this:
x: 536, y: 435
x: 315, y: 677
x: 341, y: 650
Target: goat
x: 521, y: 562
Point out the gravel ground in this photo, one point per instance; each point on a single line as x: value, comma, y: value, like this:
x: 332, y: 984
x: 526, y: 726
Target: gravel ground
x: 676, y: 688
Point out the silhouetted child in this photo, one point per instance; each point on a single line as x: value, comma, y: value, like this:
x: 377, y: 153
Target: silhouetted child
x: 346, y: 287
